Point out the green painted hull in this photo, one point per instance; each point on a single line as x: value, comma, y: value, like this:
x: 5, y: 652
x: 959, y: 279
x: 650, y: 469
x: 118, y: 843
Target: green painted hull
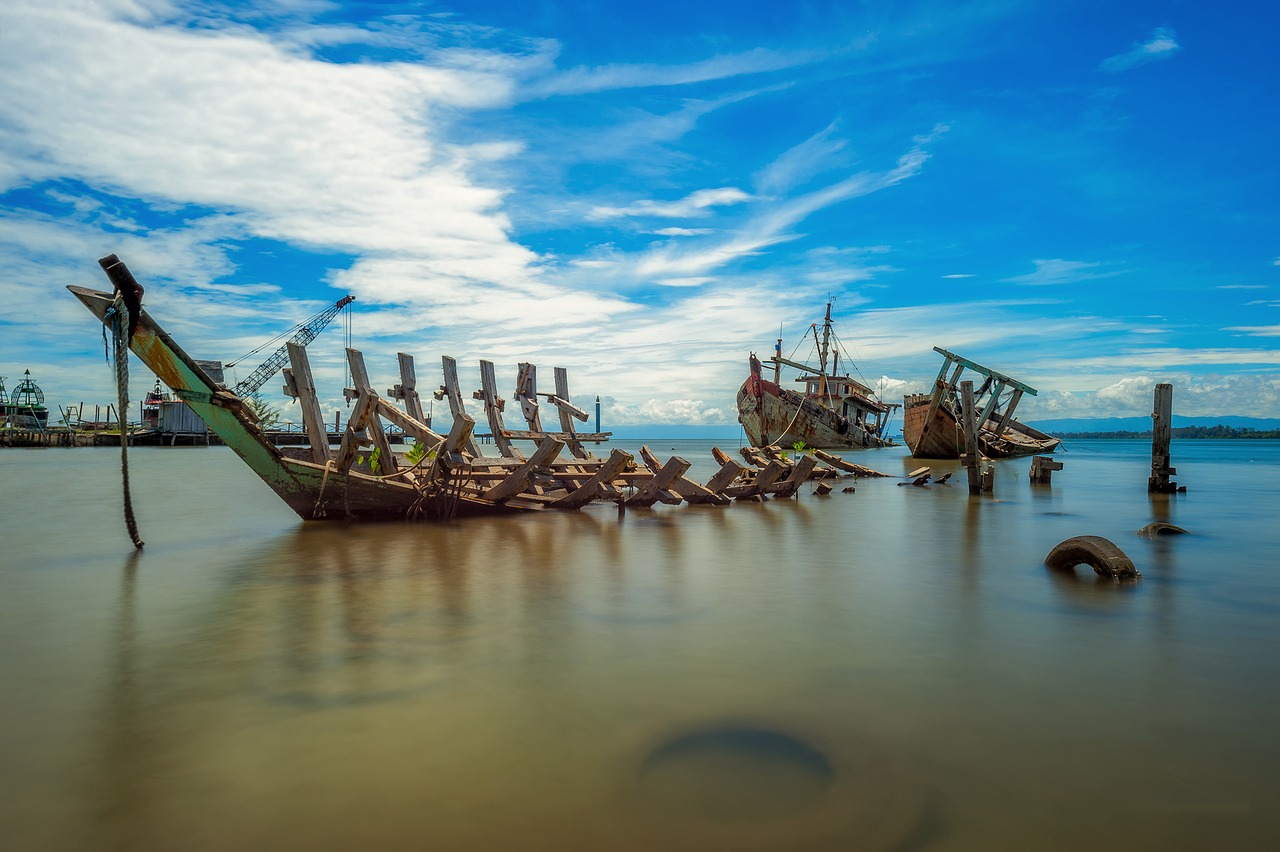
x: 301, y: 484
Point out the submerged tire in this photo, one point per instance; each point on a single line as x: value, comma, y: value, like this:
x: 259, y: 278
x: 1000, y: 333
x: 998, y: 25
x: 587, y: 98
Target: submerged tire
x: 1105, y: 558
x: 1160, y: 528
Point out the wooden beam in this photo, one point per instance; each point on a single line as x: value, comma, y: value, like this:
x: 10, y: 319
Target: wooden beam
x: 518, y: 480
x: 312, y: 419
x: 360, y: 376
x: 799, y: 474
x: 353, y: 438
x: 598, y: 483
x: 763, y: 481
x: 568, y: 412
x: 493, y: 406
x: 453, y: 393
x: 1008, y: 412
x: 1161, y: 437
x: 972, y: 458
x: 651, y: 491
x: 691, y: 491
x: 421, y: 432
x: 527, y: 395
x: 409, y: 387
x: 729, y: 472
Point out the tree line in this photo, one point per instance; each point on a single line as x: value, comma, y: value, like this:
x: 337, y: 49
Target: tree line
x: 1203, y: 432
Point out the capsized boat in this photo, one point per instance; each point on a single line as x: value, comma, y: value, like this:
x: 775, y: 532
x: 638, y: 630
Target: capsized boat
x: 931, y: 422
x: 835, y: 410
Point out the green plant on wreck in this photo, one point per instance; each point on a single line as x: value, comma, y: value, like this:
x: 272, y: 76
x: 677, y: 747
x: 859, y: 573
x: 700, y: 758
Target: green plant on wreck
x: 417, y: 453
x: 375, y: 460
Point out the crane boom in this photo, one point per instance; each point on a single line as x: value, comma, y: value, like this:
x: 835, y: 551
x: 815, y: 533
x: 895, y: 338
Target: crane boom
x: 280, y: 357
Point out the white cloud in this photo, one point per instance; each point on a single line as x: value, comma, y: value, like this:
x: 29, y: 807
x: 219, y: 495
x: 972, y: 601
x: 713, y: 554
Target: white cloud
x: 799, y: 164
x: 1059, y: 271
x: 582, y: 80
x: 695, y: 204
x: 1161, y: 45
x: 1256, y: 330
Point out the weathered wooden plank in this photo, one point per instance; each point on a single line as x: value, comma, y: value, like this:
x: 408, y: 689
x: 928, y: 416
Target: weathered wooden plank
x: 969, y: 423
x: 1161, y: 437
x: 360, y: 376
x: 354, y: 436
x: 567, y: 412
x: 729, y: 473
x: 312, y: 419
x: 597, y: 484
x: 421, y: 432
x: 651, y: 491
x: 527, y: 394
x: 453, y: 393
x: 691, y: 491
x: 458, y: 437
x: 525, y: 434
x: 841, y: 463
x: 1008, y: 412
x: 493, y: 406
x: 799, y: 475
x: 408, y: 390
x: 763, y: 481
x: 518, y: 480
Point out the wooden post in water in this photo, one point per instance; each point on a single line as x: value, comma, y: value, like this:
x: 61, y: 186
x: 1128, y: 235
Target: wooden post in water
x: 972, y: 458
x: 1161, y: 435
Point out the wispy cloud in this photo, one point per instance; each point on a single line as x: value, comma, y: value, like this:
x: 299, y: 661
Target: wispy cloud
x: 801, y: 163
x: 695, y: 204
x: 583, y: 79
x: 1256, y: 330
x: 1161, y: 45
x: 1059, y: 271
x: 1242, y: 286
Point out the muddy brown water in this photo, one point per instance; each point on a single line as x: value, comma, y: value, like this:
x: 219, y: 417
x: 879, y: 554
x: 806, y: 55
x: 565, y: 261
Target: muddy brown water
x: 892, y: 668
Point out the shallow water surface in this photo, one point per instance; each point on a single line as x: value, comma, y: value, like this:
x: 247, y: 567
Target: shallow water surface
x: 892, y: 668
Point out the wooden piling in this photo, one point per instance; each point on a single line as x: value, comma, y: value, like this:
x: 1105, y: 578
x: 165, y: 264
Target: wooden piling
x: 972, y: 458
x: 1042, y: 468
x: 1161, y: 435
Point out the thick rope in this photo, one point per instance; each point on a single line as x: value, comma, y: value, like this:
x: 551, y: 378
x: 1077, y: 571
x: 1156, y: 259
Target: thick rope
x: 118, y: 315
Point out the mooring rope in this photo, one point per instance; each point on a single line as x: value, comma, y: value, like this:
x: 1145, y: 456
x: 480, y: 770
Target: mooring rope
x: 118, y: 317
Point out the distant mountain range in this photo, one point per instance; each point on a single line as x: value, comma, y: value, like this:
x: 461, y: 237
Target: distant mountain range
x: 1143, y: 424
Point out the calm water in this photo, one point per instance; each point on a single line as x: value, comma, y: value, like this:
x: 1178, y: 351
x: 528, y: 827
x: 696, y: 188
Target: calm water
x: 891, y: 669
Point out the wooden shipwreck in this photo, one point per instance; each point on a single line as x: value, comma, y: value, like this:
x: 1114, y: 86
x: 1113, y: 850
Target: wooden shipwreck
x: 364, y: 478
x: 835, y: 410
x: 931, y: 422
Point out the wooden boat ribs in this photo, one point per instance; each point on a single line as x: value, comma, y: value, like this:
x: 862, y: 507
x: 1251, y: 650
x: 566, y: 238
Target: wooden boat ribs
x: 363, y: 477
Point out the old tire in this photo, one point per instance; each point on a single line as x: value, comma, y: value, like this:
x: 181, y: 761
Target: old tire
x: 1105, y: 558
x: 1156, y: 528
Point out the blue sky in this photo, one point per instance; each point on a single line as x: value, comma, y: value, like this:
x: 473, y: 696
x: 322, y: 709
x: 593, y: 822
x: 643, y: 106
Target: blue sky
x: 1080, y: 194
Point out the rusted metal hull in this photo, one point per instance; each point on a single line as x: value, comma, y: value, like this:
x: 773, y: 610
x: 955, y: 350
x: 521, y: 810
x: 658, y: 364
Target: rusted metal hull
x: 773, y: 415
x: 940, y: 436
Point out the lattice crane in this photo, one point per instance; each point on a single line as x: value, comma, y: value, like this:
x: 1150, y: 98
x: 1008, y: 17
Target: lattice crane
x: 306, y: 333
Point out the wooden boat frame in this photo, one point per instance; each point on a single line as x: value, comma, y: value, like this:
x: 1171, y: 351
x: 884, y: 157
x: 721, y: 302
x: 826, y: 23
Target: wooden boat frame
x: 363, y: 478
